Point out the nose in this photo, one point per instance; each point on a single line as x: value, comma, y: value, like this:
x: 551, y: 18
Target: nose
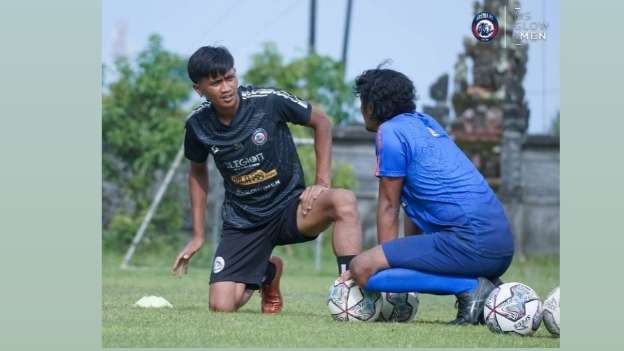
x: 225, y: 88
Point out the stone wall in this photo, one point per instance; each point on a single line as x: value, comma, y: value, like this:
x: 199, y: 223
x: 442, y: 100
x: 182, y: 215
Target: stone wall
x: 540, y: 195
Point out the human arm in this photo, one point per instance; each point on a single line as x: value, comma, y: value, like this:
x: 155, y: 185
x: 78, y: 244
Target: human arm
x: 322, y: 150
x: 198, y: 190
x: 388, y: 208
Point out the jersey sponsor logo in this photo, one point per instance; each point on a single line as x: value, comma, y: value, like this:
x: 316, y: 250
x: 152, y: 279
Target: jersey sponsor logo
x: 214, y: 149
x: 252, y: 191
x: 247, y: 162
x: 259, y: 136
x: 255, y: 177
x: 219, y: 264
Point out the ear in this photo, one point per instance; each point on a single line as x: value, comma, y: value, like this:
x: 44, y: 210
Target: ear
x: 196, y: 88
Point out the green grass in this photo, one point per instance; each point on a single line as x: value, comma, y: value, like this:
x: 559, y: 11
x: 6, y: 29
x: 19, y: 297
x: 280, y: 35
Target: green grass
x: 305, y: 320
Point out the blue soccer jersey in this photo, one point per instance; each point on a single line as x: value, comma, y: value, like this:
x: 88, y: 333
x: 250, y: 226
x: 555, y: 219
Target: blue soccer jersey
x: 442, y: 190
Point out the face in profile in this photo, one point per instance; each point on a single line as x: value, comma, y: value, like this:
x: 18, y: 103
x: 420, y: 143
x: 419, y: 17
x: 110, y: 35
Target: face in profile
x: 370, y: 123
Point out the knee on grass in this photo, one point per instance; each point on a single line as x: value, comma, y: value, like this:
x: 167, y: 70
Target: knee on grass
x: 222, y: 305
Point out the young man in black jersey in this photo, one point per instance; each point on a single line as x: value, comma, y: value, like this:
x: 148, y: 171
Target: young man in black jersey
x: 266, y: 202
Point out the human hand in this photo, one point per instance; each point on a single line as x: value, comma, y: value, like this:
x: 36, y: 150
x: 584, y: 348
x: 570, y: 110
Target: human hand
x: 346, y: 275
x: 309, y: 195
x: 180, y: 266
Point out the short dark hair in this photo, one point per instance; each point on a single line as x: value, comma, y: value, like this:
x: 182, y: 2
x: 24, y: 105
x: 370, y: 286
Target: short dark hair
x: 209, y: 62
x: 387, y: 92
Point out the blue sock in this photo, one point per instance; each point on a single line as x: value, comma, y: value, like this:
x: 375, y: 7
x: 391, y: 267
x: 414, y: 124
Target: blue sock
x: 408, y: 280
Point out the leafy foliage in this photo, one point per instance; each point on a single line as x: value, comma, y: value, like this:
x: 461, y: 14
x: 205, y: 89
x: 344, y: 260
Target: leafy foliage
x: 142, y: 128
x: 313, y: 77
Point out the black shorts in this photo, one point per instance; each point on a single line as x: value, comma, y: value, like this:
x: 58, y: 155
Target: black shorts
x: 242, y: 255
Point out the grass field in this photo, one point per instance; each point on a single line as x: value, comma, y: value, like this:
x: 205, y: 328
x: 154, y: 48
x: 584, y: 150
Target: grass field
x: 305, y: 320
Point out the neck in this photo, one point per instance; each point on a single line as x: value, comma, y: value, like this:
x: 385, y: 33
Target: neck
x: 226, y: 115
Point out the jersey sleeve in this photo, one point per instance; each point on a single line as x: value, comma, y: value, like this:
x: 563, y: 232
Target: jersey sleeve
x: 290, y: 108
x: 194, y: 150
x: 391, y: 153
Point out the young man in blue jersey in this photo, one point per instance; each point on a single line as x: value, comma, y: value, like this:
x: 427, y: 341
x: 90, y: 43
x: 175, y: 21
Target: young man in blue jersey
x: 466, y: 242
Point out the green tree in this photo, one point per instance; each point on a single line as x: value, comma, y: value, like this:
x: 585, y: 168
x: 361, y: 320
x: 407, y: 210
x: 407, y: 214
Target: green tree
x: 142, y: 128
x: 313, y: 77
x: 318, y: 79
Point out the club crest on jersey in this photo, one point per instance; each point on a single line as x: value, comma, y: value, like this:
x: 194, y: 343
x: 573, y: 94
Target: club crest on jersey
x: 484, y: 26
x: 219, y: 264
x: 259, y: 136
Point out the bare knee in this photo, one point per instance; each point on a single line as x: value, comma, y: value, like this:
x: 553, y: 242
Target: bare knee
x: 222, y: 305
x: 345, y: 205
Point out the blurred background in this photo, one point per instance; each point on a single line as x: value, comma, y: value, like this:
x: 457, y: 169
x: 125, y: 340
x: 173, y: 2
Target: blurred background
x: 499, y: 100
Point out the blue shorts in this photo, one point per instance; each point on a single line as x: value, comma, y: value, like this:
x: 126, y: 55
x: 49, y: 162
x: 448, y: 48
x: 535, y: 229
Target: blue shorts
x: 443, y: 253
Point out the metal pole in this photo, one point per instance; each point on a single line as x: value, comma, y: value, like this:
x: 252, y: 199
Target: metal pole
x: 318, y: 252
x: 312, y: 32
x: 345, y: 40
x: 152, y: 209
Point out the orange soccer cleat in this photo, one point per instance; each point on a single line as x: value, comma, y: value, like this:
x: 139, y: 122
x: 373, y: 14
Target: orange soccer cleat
x: 271, y: 296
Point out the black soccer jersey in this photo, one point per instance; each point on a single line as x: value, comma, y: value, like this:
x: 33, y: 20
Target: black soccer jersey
x: 255, y: 154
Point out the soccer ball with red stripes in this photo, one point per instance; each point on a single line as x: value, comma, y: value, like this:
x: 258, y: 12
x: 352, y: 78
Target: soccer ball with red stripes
x: 513, y: 308
x: 348, y: 302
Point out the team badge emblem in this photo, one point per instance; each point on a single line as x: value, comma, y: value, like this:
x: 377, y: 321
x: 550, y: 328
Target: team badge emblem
x: 219, y: 264
x: 259, y: 136
x: 484, y: 26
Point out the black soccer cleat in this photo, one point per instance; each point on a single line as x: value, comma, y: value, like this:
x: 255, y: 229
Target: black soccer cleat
x: 496, y: 281
x: 470, y: 304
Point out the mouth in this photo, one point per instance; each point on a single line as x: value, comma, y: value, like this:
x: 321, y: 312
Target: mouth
x: 228, y: 98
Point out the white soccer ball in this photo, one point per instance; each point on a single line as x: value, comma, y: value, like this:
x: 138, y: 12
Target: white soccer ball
x: 398, y: 307
x: 551, y: 312
x: 513, y: 308
x: 348, y: 302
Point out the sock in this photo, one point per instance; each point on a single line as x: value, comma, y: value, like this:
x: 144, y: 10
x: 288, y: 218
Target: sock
x: 343, y: 263
x: 409, y: 280
x: 269, y: 274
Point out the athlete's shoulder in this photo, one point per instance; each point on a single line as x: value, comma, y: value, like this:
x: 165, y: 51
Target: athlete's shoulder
x: 199, y: 112
x: 250, y: 92
x: 398, y: 124
x: 255, y: 93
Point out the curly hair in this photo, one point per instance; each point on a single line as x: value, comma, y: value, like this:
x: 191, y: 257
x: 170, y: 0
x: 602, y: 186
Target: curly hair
x: 387, y: 92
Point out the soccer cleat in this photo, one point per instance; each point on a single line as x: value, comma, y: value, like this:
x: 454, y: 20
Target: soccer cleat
x: 496, y: 281
x: 271, y: 296
x: 470, y: 304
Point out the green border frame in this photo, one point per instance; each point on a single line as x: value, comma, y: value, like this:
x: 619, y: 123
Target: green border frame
x: 50, y: 197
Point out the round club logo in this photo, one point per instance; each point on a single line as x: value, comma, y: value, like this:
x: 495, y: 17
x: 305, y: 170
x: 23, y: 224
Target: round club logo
x: 219, y: 264
x: 259, y: 136
x: 484, y: 26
